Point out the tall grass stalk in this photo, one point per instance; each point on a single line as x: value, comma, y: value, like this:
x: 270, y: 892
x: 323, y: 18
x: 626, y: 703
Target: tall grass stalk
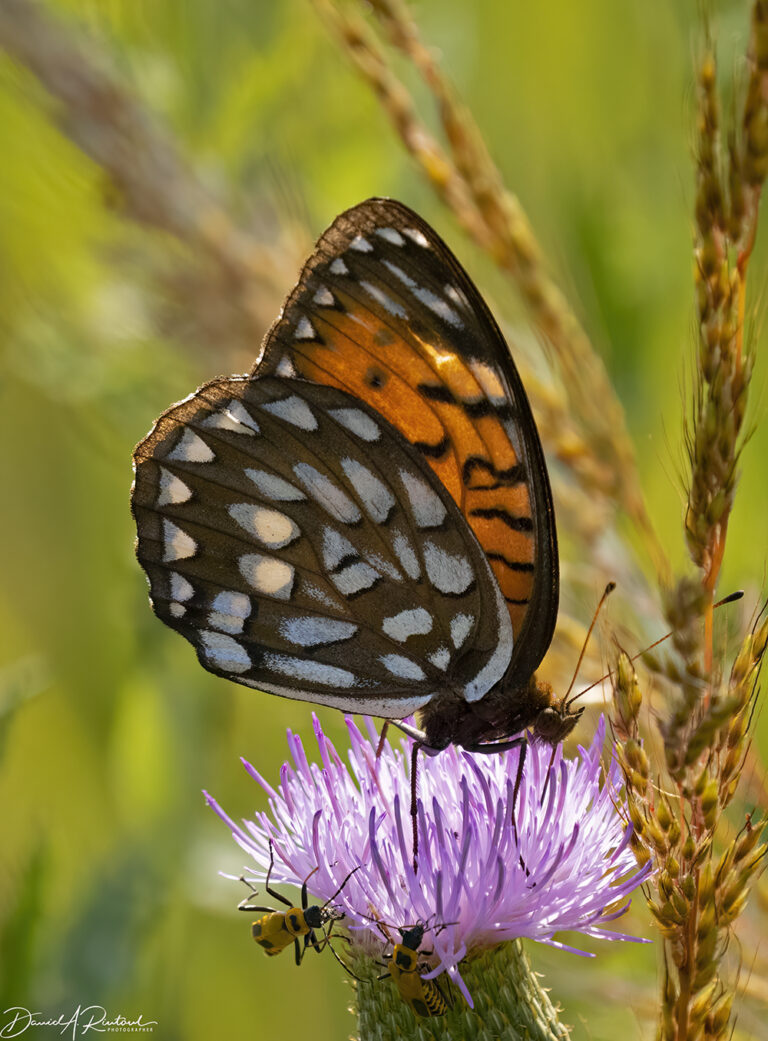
x: 682, y: 756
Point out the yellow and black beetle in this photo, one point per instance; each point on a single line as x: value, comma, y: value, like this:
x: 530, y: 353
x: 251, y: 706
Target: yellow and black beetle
x: 424, y: 997
x: 275, y: 930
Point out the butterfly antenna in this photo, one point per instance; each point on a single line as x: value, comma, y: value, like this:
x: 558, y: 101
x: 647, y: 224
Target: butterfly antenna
x: 606, y: 593
x: 730, y: 599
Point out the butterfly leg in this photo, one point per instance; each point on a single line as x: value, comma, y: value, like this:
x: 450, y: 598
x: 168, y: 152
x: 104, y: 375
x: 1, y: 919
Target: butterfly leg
x: 382, y: 739
x: 420, y: 743
x: 505, y: 746
x: 549, y: 770
x: 417, y: 747
x: 414, y: 732
x: 518, y: 781
x: 523, y: 746
x: 414, y: 808
x: 490, y: 747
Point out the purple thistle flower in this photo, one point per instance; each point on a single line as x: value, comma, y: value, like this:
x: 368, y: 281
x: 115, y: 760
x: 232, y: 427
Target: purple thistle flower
x: 569, y: 866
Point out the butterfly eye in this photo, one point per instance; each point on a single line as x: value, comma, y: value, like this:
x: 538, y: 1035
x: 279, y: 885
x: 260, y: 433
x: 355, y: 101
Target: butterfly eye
x: 553, y: 724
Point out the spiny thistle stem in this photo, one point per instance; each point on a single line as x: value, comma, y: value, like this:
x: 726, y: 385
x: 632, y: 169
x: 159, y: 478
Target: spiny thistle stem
x: 510, y: 1003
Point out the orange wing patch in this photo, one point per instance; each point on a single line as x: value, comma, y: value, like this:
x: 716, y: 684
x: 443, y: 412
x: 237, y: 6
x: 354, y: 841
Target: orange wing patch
x: 384, y: 311
x: 436, y: 401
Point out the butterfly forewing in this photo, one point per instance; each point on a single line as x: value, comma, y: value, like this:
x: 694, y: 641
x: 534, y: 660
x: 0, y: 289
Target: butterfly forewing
x: 384, y: 310
x: 306, y: 549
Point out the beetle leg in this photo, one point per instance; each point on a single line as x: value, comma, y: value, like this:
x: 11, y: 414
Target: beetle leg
x: 310, y: 940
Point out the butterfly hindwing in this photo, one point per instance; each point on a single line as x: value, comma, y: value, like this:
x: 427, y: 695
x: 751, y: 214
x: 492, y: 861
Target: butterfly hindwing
x: 385, y: 311
x: 306, y: 549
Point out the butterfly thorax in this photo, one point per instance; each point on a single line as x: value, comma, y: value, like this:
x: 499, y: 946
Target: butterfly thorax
x: 501, y: 715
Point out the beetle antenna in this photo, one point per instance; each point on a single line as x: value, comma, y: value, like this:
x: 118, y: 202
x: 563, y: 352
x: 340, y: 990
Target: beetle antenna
x: 342, y: 963
x: 332, y: 898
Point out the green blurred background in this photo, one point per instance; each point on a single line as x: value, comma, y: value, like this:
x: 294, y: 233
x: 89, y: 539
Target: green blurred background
x: 109, y: 729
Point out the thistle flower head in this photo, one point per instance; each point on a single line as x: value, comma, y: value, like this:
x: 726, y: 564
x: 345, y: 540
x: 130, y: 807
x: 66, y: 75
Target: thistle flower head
x: 491, y: 868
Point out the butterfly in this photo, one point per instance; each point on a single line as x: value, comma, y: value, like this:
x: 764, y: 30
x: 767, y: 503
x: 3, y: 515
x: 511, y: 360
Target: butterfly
x: 365, y: 520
